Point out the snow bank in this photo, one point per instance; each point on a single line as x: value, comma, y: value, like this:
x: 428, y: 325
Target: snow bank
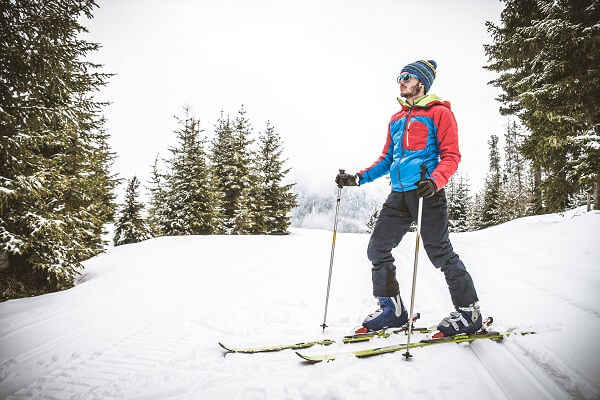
x: 144, y: 320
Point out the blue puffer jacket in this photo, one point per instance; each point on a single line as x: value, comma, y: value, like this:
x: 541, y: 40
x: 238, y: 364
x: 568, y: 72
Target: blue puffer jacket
x: 425, y: 133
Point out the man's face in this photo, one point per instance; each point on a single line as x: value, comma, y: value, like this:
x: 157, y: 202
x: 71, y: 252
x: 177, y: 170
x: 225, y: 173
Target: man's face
x: 411, y: 87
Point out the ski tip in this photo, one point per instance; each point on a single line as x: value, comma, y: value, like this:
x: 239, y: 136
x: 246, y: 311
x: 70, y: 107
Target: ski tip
x: 225, y: 347
x: 308, y: 359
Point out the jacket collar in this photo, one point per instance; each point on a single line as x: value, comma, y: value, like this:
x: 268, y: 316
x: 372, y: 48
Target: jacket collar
x: 426, y: 101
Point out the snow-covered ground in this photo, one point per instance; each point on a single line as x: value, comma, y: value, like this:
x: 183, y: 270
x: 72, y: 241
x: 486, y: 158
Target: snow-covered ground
x: 145, y: 319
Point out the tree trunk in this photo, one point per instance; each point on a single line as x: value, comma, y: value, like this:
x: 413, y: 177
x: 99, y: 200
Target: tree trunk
x: 597, y: 193
x: 4, y: 260
x: 537, y: 195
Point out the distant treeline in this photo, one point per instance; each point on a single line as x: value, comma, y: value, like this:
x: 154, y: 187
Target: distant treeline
x: 227, y: 186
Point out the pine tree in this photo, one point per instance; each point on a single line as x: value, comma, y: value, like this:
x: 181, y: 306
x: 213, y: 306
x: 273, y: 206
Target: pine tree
x: 131, y: 227
x: 450, y: 189
x: 372, y: 220
x: 191, y: 202
x: 518, y: 196
x: 220, y: 154
x: 548, y: 55
x: 275, y: 198
x: 156, y: 209
x: 475, y: 215
x: 243, y: 161
x: 232, y: 163
x: 55, y: 186
x: 491, y: 213
x: 459, y: 202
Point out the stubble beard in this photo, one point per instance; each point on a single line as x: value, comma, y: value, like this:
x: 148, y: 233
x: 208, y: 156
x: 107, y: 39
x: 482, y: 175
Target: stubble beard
x: 410, y: 93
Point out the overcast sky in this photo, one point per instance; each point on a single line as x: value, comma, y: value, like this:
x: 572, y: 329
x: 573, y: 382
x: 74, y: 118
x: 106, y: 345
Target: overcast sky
x: 323, y: 72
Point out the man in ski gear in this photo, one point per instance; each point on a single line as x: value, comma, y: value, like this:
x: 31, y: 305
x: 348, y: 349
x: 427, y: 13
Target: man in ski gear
x: 423, y: 132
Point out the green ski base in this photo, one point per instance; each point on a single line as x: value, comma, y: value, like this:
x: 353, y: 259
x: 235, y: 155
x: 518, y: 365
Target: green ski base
x: 384, y: 333
x: 324, y: 342
x: 497, y: 336
x: 265, y: 349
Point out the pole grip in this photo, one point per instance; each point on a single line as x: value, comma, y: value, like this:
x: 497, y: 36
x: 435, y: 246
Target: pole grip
x: 340, y: 183
x: 423, y: 172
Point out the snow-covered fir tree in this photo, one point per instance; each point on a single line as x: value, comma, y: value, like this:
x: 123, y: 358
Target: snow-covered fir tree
x: 372, y: 220
x: 244, y: 201
x: 131, y: 226
x: 459, y: 202
x: 221, y: 152
x: 157, y: 203
x: 486, y: 209
x: 191, y: 202
x: 273, y: 199
x: 55, y: 185
x: 475, y: 214
x: 517, y: 194
x: 232, y: 161
x: 507, y: 193
x: 491, y: 213
x: 547, y: 54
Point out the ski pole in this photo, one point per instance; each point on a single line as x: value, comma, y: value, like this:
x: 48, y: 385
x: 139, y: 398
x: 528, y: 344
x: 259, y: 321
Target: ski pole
x: 414, y: 280
x: 337, y: 210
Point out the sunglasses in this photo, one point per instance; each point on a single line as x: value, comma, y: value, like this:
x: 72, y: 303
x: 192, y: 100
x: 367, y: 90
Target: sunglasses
x: 405, y: 77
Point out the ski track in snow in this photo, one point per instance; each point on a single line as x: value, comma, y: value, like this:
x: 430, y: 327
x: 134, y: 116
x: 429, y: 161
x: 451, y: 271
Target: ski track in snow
x: 144, y: 321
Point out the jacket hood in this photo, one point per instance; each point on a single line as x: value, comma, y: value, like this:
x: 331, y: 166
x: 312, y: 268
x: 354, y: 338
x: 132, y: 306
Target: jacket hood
x: 426, y: 101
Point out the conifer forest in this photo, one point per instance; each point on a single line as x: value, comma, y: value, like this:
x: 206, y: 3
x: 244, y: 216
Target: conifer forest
x: 59, y: 190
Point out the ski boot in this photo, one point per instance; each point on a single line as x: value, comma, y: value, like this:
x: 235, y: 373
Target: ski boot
x: 464, y: 320
x: 390, y: 314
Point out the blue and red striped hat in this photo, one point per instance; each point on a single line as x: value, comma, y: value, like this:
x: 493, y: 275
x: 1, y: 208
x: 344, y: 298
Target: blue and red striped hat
x: 424, y: 70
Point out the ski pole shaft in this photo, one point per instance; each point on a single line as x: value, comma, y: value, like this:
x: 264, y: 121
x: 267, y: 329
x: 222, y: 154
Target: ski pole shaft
x: 414, y: 280
x: 337, y: 210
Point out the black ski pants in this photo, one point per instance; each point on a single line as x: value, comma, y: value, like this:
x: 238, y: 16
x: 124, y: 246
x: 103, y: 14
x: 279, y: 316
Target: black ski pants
x: 398, y: 212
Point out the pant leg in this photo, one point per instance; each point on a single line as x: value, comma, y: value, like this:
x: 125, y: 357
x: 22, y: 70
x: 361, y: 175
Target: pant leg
x: 434, y: 231
x: 393, y: 222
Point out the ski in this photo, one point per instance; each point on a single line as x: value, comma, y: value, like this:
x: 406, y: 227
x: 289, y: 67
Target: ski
x: 279, y: 347
x: 362, y: 337
x: 462, y: 338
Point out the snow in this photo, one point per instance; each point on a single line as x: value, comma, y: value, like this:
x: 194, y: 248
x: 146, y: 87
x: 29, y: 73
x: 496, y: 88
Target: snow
x: 144, y: 320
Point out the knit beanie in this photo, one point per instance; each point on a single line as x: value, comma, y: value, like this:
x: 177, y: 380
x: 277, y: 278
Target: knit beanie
x: 424, y: 70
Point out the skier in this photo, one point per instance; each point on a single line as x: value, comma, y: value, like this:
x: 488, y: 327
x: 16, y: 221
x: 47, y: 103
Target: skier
x: 424, y: 131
